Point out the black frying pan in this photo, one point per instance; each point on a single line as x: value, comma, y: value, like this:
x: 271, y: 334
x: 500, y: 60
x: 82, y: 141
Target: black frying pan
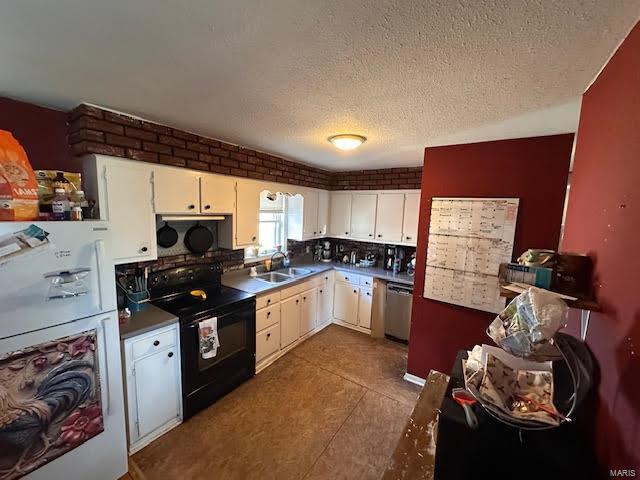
x: 166, y: 236
x: 198, y: 239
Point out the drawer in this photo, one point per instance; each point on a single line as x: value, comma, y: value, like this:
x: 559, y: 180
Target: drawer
x: 267, y: 299
x: 153, y: 343
x: 296, y: 289
x: 366, y: 282
x: 267, y: 342
x: 267, y: 317
x: 347, y: 277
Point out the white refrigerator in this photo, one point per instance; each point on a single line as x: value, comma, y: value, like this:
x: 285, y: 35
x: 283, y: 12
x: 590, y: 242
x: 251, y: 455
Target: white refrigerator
x: 61, y: 396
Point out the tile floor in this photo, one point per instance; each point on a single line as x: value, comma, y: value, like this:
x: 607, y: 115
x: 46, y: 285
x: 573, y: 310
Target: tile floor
x: 334, y: 407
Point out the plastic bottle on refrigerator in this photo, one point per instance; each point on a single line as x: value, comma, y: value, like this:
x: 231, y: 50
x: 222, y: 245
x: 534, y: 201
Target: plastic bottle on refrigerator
x: 60, y: 205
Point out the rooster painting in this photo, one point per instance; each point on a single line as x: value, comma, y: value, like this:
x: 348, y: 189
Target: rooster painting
x: 49, y: 403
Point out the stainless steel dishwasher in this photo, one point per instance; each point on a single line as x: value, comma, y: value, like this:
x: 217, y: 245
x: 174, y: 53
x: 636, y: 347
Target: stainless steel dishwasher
x: 397, y: 314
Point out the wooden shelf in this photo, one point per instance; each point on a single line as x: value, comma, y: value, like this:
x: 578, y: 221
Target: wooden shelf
x: 582, y: 303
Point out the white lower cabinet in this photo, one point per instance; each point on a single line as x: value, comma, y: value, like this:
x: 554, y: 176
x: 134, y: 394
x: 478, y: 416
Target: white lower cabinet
x: 287, y: 315
x: 364, y: 307
x: 325, y: 298
x: 289, y: 320
x: 345, y: 302
x: 153, y: 384
x: 267, y: 342
x: 353, y: 299
x: 308, y: 310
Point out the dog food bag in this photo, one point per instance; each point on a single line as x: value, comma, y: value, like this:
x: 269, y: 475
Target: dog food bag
x: 18, y: 187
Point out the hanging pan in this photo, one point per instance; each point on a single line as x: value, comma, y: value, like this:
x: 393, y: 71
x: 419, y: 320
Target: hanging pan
x: 198, y: 239
x: 166, y: 236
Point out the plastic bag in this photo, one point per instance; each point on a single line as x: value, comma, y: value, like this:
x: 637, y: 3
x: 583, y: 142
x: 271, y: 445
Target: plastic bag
x: 18, y: 186
x: 527, y: 325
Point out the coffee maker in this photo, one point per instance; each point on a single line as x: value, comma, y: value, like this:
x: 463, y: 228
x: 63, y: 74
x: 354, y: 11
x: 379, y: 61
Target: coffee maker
x: 389, y: 255
x: 325, y: 253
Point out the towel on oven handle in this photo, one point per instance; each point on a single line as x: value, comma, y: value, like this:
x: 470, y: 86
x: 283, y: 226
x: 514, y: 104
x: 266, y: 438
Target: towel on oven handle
x: 208, y: 333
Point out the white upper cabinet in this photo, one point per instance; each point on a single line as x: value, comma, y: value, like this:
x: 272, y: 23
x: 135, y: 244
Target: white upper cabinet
x: 340, y: 220
x: 363, y: 215
x: 247, y: 213
x: 310, y: 215
x: 389, y: 217
x: 323, y: 212
x: 176, y: 190
x: 410, y: 221
x: 217, y: 194
x: 124, y: 194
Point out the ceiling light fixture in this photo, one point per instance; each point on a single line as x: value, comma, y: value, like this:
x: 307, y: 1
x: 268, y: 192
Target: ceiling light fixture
x: 347, y: 141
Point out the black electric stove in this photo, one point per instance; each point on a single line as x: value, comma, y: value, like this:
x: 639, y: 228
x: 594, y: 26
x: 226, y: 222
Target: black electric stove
x: 195, y: 293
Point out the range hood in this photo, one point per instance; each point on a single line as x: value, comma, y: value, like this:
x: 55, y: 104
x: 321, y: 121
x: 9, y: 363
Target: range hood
x: 199, y: 218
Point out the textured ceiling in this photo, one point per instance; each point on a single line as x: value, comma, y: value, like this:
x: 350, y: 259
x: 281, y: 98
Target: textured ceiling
x: 283, y: 75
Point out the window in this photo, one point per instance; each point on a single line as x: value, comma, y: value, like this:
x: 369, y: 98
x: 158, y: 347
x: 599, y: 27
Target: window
x: 272, y: 228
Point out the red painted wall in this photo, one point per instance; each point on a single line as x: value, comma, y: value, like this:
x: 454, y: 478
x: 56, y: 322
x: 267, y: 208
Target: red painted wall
x: 533, y: 169
x: 41, y: 131
x: 603, y: 219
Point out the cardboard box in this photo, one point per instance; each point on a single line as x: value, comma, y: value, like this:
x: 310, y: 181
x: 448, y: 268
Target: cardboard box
x: 537, y: 276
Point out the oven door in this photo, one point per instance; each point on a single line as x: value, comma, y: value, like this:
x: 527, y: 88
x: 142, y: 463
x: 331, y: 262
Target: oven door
x: 209, y: 379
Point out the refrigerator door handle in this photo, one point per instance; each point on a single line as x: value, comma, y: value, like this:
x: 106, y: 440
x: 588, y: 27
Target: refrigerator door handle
x: 105, y: 363
x: 100, y: 261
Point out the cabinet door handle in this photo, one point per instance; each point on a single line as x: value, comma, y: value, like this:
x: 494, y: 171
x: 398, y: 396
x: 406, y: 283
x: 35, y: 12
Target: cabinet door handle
x: 268, y: 314
x: 355, y: 291
x: 326, y: 278
x: 408, y: 238
x: 268, y: 334
x: 315, y: 233
x: 368, y: 294
x: 170, y: 354
x: 304, y: 299
x: 346, y: 233
x: 379, y: 235
x: 207, y: 207
x: 144, y: 249
x: 371, y: 234
x: 320, y: 291
x: 268, y: 301
x: 191, y: 207
x: 253, y: 239
x: 156, y: 343
x: 297, y: 301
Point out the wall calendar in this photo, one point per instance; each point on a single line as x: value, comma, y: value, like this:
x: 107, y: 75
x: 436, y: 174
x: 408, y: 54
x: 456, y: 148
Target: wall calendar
x: 468, y: 239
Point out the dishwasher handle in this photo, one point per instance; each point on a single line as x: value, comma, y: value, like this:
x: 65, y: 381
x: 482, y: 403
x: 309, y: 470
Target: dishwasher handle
x: 400, y: 289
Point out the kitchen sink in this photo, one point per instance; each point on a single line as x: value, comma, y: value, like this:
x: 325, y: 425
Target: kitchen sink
x: 274, y: 277
x: 294, y: 272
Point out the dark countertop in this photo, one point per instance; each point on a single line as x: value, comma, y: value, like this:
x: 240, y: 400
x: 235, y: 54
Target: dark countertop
x: 242, y: 281
x: 145, y: 321
x: 414, y: 456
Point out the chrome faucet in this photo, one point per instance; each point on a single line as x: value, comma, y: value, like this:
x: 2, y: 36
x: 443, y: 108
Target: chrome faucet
x: 285, y: 258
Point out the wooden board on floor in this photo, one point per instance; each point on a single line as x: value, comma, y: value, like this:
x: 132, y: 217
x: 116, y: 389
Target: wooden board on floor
x: 415, y: 455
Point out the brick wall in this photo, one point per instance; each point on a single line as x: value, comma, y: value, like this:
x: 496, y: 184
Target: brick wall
x: 94, y: 130
x: 382, y: 179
